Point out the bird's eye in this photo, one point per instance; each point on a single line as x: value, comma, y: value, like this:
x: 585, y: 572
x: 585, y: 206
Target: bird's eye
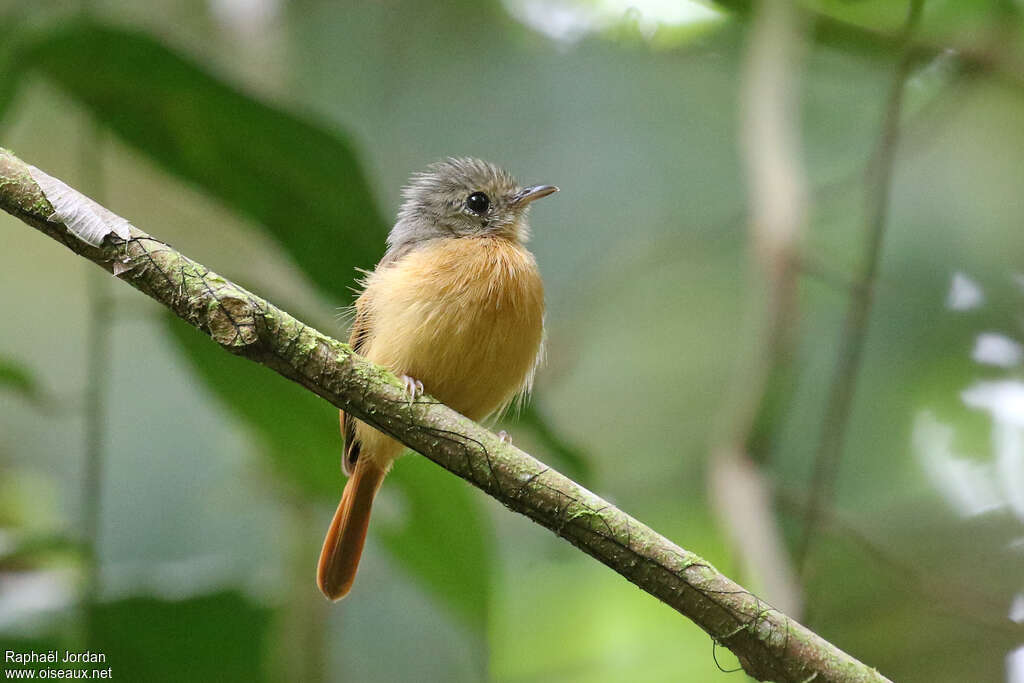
x: 478, y: 203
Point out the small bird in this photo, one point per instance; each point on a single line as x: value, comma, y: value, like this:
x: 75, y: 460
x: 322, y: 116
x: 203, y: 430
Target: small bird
x: 455, y: 307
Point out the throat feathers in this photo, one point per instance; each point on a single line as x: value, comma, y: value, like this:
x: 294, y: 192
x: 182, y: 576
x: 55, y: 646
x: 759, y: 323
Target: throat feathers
x: 456, y: 308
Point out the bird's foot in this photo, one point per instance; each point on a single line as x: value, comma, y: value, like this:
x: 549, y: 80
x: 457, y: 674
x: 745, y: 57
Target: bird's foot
x: 413, y: 387
x: 504, y: 437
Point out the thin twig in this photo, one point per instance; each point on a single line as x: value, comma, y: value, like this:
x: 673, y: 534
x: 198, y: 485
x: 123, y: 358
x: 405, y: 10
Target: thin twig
x: 768, y: 644
x: 855, y: 325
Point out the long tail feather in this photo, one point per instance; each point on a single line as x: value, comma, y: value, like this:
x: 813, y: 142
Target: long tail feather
x: 343, y: 545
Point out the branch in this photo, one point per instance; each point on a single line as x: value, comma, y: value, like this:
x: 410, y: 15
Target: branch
x: 769, y: 645
x: 858, y: 312
x: 777, y: 187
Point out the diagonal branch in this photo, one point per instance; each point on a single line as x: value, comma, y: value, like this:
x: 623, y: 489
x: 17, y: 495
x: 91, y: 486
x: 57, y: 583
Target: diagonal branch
x: 769, y: 645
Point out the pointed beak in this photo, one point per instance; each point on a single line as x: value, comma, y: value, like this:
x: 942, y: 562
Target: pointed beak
x: 529, y: 194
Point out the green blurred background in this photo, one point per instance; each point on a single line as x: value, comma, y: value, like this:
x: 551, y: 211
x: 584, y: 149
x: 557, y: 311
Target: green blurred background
x: 269, y: 139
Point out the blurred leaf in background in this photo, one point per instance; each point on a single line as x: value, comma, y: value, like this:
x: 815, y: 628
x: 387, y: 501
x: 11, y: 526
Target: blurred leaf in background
x: 217, y: 637
x: 16, y: 378
x: 302, y: 182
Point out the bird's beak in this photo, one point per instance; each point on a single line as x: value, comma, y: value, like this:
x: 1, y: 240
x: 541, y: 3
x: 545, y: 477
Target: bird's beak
x: 529, y: 194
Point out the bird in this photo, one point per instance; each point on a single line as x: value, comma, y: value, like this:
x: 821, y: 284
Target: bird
x: 455, y: 308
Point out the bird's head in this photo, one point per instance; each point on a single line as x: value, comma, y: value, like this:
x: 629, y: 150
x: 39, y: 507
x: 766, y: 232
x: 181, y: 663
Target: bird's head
x: 464, y: 198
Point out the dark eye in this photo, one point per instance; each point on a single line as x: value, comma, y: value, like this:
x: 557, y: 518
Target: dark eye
x: 478, y: 203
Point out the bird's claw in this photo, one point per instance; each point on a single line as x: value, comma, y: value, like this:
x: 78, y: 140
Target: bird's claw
x: 413, y: 387
x: 504, y: 437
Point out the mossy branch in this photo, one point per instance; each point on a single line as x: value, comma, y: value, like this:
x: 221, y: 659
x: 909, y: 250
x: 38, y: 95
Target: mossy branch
x: 769, y: 645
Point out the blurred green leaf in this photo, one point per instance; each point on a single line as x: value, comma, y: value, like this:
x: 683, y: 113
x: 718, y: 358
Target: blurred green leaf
x: 24, y: 551
x: 940, y: 18
x: 884, y: 15
x: 296, y: 429
x: 442, y: 541
x: 219, y: 637
x: 442, y: 538
x: 16, y: 378
x: 303, y: 183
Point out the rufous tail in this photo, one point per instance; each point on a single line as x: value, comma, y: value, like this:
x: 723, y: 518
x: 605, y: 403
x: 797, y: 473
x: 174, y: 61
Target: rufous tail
x: 343, y: 545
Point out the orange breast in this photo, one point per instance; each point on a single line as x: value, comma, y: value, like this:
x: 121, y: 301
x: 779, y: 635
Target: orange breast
x: 464, y: 316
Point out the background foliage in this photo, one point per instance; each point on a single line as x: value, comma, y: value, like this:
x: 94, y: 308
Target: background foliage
x: 269, y: 140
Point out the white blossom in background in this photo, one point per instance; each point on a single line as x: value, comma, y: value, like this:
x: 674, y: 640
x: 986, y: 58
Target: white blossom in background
x: 967, y: 485
x: 992, y: 348
x: 256, y: 43
x: 32, y: 597
x: 246, y: 17
x: 1015, y: 666
x: 964, y: 293
x: 569, y: 21
x: 1004, y: 401
x: 1017, y: 609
